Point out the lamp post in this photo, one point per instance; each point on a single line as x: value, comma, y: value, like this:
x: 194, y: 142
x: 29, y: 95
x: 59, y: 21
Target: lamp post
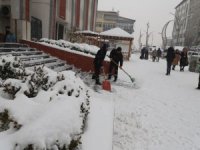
x: 164, y: 34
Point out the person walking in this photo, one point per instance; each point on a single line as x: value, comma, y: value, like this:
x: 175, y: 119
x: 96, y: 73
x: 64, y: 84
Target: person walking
x: 176, y: 59
x: 158, y: 54
x: 199, y: 82
x: 146, y: 53
x: 170, y: 56
x: 184, y: 59
x: 116, y: 59
x: 198, y: 69
x: 142, y: 53
x: 154, y: 54
x: 98, y: 62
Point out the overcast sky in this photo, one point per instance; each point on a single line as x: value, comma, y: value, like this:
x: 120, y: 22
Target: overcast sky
x: 156, y: 12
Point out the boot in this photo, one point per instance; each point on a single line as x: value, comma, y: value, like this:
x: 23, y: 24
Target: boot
x: 97, y: 82
x: 115, y: 79
x: 93, y: 76
x: 109, y: 77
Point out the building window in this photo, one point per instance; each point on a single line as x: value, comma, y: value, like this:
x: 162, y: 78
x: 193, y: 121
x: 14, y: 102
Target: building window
x: 36, y: 28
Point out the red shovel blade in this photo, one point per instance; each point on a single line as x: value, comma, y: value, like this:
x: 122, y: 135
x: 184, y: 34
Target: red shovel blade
x: 106, y: 85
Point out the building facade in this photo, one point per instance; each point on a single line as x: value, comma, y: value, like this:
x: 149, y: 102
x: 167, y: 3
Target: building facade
x: 186, y: 31
x: 180, y: 22
x: 107, y: 20
x: 52, y: 19
x: 192, y: 36
x: 126, y: 24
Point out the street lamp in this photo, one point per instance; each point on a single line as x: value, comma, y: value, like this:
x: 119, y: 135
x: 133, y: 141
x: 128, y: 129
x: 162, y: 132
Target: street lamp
x: 164, y: 34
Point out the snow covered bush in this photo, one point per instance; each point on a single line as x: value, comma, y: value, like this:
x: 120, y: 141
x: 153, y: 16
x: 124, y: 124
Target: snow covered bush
x: 10, y: 67
x: 42, y: 110
x: 80, y: 47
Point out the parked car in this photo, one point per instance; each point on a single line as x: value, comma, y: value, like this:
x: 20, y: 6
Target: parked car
x: 192, y: 53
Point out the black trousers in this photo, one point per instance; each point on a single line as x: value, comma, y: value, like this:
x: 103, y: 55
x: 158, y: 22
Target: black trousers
x: 113, y: 68
x: 97, y: 70
x: 199, y: 81
x: 169, y: 64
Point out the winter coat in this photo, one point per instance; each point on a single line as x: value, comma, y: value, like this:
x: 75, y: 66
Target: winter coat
x: 176, y: 59
x: 170, y: 54
x: 154, y: 53
x: 198, y: 68
x: 11, y: 38
x: 99, y: 58
x: 116, y: 56
x: 184, y: 59
x: 159, y: 53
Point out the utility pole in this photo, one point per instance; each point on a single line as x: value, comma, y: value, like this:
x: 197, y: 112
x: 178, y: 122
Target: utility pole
x: 147, y: 34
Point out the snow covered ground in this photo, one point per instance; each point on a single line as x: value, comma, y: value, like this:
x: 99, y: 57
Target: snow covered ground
x: 162, y: 113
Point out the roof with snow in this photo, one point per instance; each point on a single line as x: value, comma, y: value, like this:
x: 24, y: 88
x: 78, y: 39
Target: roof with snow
x: 87, y: 32
x: 116, y: 33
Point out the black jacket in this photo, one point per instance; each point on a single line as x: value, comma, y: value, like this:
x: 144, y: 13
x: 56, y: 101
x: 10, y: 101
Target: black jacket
x: 99, y: 58
x: 116, y: 56
x: 170, y: 54
x: 184, y: 59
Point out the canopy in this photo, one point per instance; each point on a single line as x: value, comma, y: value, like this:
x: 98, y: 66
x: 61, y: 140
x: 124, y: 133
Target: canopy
x: 117, y: 33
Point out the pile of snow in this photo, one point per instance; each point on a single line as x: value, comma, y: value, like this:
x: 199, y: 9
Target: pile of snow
x: 42, y: 109
x: 66, y: 45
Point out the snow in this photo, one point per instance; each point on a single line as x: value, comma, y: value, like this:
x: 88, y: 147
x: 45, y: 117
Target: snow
x: 47, y: 120
x: 160, y: 113
x: 76, y: 48
x: 87, y: 32
x: 118, y: 32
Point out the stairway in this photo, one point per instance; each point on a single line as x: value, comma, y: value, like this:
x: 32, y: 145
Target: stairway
x: 31, y: 57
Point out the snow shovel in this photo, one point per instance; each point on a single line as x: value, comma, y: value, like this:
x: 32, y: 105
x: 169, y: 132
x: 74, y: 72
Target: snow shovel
x: 105, y: 84
x: 132, y: 79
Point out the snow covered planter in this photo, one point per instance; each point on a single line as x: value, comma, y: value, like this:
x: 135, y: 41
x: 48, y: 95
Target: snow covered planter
x: 42, y: 109
x: 80, y: 47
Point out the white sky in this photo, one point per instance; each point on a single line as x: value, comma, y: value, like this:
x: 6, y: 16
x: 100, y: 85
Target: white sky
x: 156, y: 12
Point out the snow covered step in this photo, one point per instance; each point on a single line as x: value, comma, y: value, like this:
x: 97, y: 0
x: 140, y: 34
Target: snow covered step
x: 52, y: 65
x: 55, y: 64
x: 33, y: 56
x: 21, y: 53
x: 17, y: 49
x: 38, y: 61
x: 12, y: 45
x: 62, y: 68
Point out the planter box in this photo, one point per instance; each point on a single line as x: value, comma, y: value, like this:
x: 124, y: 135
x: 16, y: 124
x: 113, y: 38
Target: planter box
x: 79, y: 61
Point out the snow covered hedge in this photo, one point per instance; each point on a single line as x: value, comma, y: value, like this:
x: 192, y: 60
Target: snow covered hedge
x: 81, y: 47
x: 41, y: 109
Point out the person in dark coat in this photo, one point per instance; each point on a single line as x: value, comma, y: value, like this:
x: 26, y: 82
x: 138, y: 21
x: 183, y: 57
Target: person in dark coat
x: 199, y: 83
x: 170, y: 57
x: 146, y: 53
x: 98, y: 62
x: 10, y: 37
x: 142, y: 53
x: 7, y: 31
x: 158, y: 54
x: 184, y: 59
x: 198, y: 69
x: 116, y: 59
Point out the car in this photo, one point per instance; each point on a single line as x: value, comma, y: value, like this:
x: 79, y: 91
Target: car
x: 193, y: 53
